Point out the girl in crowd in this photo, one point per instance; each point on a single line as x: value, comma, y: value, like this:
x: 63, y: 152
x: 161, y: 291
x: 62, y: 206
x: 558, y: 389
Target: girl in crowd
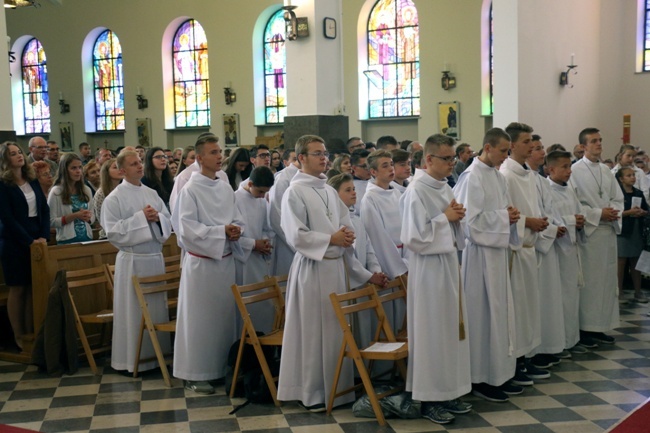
x: 630, y: 241
x: 43, y: 175
x: 157, y: 175
x: 276, y: 161
x: 69, y: 202
x: 239, y: 167
x: 178, y: 154
x: 91, y: 174
x: 110, y: 178
x: 342, y: 164
x: 189, y: 155
x: 25, y: 219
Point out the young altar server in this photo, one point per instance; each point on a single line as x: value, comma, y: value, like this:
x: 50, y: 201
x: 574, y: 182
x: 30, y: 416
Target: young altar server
x: 602, y: 202
x: 137, y: 222
x: 522, y: 190
x: 317, y: 226
x: 256, y: 240
x: 364, y: 262
x: 439, y: 366
x: 282, y: 253
x: 490, y: 231
x: 568, y: 207
x: 549, y: 282
x: 209, y: 227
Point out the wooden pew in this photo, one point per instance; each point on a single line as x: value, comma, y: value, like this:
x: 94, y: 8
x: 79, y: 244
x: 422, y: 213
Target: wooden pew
x: 47, y: 260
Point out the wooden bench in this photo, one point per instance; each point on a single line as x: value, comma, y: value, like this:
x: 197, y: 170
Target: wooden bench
x: 47, y: 260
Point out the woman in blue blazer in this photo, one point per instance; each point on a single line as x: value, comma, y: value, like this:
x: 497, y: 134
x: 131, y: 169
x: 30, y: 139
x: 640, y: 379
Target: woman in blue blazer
x: 24, y: 219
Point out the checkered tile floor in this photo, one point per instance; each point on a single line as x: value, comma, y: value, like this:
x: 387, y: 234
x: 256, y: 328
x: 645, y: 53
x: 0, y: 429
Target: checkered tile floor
x: 587, y: 394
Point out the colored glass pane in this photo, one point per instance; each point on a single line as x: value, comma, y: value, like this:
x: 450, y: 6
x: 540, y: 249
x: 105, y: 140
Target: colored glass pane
x: 646, y: 38
x: 393, y: 55
x: 491, y: 27
x: 36, y: 101
x: 191, y: 77
x: 275, y: 68
x: 108, y: 80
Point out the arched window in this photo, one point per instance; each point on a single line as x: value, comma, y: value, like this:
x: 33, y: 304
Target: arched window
x: 646, y: 37
x: 275, y: 69
x: 393, y: 60
x: 190, y: 72
x: 108, y: 79
x: 36, y: 100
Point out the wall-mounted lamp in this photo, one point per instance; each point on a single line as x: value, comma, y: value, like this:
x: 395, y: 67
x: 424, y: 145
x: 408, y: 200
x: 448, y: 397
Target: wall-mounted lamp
x: 142, y: 101
x: 65, y: 108
x: 564, y: 75
x: 230, y: 96
x: 447, y: 81
x: 295, y: 27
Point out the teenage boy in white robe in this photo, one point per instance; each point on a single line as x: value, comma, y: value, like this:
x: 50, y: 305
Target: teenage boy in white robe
x: 551, y: 310
x: 256, y: 241
x: 184, y: 176
x: 317, y: 226
x: 602, y: 202
x: 383, y: 222
x: 136, y: 222
x: 491, y: 228
x: 282, y: 253
x: 439, y: 366
x: 209, y: 227
x: 566, y: 204
x: 522, y: 191
x: 364, y: 262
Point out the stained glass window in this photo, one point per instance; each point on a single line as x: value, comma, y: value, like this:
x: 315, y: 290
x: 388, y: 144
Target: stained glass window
x: 275, y: 69
x: 36, y: 100
x: 108, y: 82
x: 393, y: 60
x: 191, y: 87
x: 646, y: 39
x: 491, y: 27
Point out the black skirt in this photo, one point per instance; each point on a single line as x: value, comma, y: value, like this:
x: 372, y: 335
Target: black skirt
x: 16, y: 258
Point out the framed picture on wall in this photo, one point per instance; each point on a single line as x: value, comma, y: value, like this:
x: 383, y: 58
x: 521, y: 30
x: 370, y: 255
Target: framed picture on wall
x: 231, y: 130
x: 67, y: 136
x: 143, y: 127
x: 449, y: 118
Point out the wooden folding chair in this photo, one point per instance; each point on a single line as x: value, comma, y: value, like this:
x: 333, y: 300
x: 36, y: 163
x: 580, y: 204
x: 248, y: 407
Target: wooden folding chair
x: 172, y: 263
x: 168, y: 282
x: 92, y: 287
x: 264, y: 291
x: 350, y: 303
x: 282, y: 281
x: 395, y: 291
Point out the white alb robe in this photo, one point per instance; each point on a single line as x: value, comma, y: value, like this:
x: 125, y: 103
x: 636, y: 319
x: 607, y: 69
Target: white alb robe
x: 282, y: 253
x: 360, y: 187
x: 252, y: 267
x: 312, y: 334
x: 140, y: 244
x: 522, y: 191
x: 439, y: 363
x: 566, y: 204
x: 485, y: 274
x: 206, y: 321
x: 596, y: 189
x: 551, y: 308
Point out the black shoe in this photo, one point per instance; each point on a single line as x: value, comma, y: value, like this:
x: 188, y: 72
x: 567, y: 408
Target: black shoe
x: 316, y: 408
x: 547, y: 358
x: 521, y: 379
x: 602, y: 338
x: 588, y: 342
x: 511, y: 389
x: 540, y: 361
x: 536, y: 373
x: 489, y: 392
x: 456, y: 406
x: 565, y: 354
x: 437, y: 413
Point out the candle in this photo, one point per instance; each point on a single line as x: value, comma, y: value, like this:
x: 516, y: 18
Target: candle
x: 139, y: 91
x: 60, y: 96
x: 573, y: 58
x: 445, y: 66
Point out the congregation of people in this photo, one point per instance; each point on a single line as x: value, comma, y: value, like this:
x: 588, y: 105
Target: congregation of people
x: 515, y: 255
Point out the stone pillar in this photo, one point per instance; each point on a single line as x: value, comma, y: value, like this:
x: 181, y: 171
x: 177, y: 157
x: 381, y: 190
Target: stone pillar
x: 315, y: 77
x: 6, y: 116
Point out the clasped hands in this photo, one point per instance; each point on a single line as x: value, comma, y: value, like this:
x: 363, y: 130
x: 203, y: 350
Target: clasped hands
x: 344, y: 237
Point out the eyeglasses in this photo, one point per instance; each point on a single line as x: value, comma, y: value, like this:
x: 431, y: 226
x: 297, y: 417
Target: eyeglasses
x: 161, y: 157
x: 264, y: 155
x: 319, y: 154
x: 447, y: 159
x: 363, y: 166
